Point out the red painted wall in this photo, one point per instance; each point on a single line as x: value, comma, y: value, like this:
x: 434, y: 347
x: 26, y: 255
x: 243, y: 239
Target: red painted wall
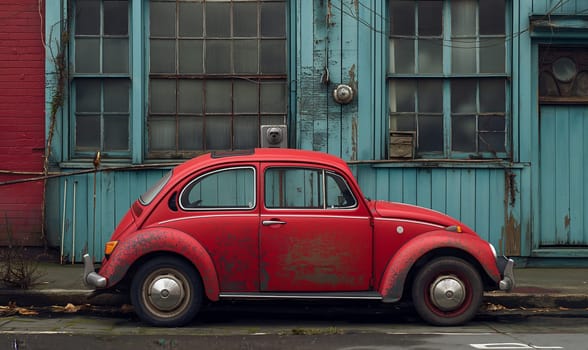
x: 22, y: 119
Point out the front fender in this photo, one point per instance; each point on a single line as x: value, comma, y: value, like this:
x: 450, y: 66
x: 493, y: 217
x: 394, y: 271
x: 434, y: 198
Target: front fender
x: 148, y: 241
x: 395, y: 274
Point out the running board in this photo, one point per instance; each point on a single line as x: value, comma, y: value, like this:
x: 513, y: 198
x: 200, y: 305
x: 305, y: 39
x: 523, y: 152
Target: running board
x: 304, y: 296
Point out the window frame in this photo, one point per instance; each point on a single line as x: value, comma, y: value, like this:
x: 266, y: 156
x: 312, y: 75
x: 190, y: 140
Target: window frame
x: 447, y: 77
x: 138, y: 71
x: 189, y: 186
x: 203, y: 77
x: 76, y: 77
x: 323, y: 173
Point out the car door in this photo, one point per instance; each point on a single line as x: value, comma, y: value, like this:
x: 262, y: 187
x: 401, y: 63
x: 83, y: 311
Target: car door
x: 219, y: 208
x: 316, y: 235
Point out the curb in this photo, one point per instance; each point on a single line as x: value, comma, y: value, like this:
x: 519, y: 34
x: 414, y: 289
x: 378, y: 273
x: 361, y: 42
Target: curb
x: 48, y: 297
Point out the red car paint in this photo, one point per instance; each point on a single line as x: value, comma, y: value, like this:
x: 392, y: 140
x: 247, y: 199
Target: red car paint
x: 365, y: 246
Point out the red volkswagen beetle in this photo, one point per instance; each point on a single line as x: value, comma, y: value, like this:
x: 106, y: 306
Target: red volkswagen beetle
x: 289, y: 224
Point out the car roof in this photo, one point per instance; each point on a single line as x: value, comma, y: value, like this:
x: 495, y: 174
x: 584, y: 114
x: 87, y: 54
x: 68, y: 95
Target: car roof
x: 261, y: 155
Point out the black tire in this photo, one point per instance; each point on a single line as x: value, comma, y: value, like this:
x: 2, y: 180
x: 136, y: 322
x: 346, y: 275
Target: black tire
x: 166, y: 292
x: 458, y: 287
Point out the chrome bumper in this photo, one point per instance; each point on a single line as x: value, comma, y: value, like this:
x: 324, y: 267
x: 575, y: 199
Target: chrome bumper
x: 505, y: 266
x: 91, y: 278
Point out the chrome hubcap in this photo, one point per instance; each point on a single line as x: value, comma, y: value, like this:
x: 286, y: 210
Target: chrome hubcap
x: 166, y: 292
x: 447, y: 293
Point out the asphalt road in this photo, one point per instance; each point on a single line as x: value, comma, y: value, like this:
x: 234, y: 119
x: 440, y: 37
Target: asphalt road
x: 297, y: 327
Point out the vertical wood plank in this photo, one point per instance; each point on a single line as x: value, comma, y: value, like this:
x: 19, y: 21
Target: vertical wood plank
x: 409, y: 180
x: 562, y: 173
x: 468, y: 197
x: 453, y: 193
x: 577, y: 177
x: 547, y: 175
x: 439, y: 188
x: 424, y: 188
x: 482, y: 207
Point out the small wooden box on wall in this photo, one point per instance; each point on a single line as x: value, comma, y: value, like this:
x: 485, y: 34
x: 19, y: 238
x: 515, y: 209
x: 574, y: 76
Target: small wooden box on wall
x: 402, y: 145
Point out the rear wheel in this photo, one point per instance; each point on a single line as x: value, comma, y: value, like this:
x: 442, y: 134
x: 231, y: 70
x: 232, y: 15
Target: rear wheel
x: 167, y: 292
x: 447, y: 292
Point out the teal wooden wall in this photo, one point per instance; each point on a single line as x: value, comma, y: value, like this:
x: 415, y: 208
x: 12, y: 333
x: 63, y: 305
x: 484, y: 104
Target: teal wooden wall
x: 342, y: 41
x: 83, y: 210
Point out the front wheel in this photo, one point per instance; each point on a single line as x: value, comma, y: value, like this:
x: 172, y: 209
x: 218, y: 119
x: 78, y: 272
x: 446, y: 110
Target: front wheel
x: 166, y: 292
x: 447, y: 292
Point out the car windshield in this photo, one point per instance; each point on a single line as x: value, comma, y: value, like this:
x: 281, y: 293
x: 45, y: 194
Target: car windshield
x: 148, y: 196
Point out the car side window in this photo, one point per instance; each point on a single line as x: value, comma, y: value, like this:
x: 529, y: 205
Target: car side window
x: 232, y: 188
x: 290, y: 188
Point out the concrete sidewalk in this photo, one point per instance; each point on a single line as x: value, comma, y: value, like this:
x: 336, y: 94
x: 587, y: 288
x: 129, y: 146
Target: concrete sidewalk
x: 564, y: 288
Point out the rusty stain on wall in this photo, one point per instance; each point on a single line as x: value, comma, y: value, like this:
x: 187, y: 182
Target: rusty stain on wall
x: 354, y: 138
x: 511, y: 231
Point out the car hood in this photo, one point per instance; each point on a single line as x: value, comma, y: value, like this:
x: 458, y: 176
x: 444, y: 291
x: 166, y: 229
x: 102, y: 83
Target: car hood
x: 415, y: 213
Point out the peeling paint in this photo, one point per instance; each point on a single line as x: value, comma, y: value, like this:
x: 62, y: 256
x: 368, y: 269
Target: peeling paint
x: 510, y: 188
x: 510, y: 240
x: 511, y: 234
x: 354, y: 138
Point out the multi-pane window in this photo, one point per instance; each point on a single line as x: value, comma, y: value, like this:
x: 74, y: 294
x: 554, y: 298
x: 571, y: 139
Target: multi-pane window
x: 217, y: 72
x: 101, y: 80
x: 448, y: 77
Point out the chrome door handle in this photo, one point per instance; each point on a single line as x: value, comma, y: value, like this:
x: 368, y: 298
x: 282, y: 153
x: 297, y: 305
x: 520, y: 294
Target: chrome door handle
x: 272, y: 222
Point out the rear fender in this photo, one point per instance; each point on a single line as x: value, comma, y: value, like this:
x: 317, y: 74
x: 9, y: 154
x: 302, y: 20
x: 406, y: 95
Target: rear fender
x: 396, y: 273
x: 144, y: 242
